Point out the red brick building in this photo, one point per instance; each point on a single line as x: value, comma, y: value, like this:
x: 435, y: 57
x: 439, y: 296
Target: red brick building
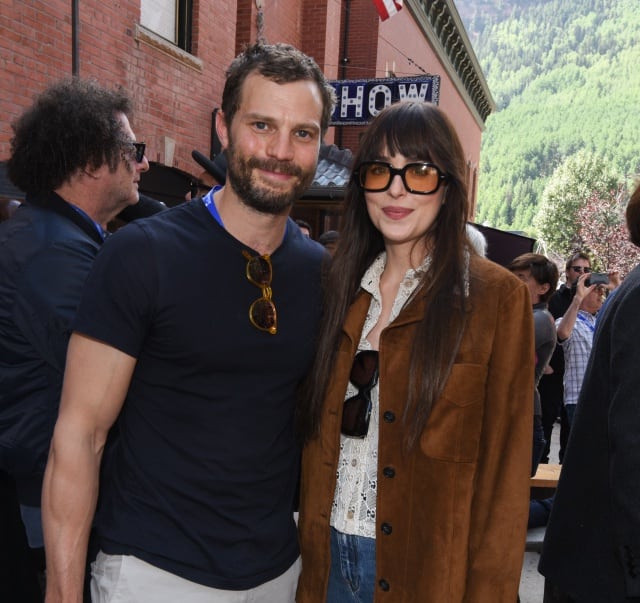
x: 171, y: 56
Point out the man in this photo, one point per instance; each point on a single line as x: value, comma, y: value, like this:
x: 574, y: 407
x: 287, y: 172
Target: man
x: 577, y: 264
x: 541, y: 277
x: 550, y: 386
x: 329, y: 240
x: 75, y: 156
x: 575, y: 335
x: 591, y: 551
x: 304, y: 226
x: 196, y: 328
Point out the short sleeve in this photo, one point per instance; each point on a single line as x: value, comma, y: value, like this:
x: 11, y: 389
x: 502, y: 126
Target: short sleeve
x: 117, y: 302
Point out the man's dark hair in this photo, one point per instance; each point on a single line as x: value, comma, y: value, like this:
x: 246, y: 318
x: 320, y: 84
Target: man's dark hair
x: 578, y: 255
x: 329, y: 236
x: 304, y: 224
x: 280, y: 63
x: 72, y: 125
x: 542, y: 269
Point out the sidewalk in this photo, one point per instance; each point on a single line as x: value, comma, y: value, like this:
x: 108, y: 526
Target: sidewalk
x: 531, y: 582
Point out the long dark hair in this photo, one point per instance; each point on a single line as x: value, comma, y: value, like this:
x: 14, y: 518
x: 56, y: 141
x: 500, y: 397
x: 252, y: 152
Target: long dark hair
x: 416, y: 130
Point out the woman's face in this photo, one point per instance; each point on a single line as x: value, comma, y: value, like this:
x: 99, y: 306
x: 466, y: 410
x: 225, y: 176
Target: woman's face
x: 402, y: 217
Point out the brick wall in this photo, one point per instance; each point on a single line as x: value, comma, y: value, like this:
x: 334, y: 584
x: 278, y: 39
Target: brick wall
x: 173, y: 93
x: 361, y: 54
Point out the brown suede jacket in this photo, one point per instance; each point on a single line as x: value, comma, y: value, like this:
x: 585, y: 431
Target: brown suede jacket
x: 451, y: 513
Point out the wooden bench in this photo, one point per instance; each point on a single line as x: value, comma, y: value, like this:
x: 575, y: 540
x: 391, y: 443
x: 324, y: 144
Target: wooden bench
x: 545, y: 481
x: 546, y: 476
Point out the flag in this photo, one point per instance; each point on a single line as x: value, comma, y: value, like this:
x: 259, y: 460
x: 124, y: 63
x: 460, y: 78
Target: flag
x: 387, y: 8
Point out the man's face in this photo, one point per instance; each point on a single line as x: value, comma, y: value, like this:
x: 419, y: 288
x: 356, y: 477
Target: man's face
x: 576, y: 268
x: 272, y: 144
x: 121, y: 186
x: 593, y: 300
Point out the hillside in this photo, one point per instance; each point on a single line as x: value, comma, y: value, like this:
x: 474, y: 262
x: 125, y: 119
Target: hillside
x: 565, y: 76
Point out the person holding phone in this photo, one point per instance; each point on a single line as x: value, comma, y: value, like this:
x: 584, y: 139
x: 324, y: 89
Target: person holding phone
x: 575, y: 335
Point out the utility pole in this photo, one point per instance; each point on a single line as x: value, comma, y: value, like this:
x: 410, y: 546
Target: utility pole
x: 75, y: 37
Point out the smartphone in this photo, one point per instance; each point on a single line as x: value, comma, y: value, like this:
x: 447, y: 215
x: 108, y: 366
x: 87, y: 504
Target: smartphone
x: 597, y: 278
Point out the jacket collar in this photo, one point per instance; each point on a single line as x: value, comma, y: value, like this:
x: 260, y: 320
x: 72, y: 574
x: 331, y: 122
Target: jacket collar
x: 55, y: 203
x: 357, y: 314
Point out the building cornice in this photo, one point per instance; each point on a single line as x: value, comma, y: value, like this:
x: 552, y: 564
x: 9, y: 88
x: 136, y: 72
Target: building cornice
x: 442, y: 26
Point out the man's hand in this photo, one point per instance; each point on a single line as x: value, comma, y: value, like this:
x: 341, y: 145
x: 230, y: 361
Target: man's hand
x: 581, y: 288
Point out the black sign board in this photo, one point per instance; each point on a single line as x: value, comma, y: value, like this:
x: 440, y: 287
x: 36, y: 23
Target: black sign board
x: 361, y: 100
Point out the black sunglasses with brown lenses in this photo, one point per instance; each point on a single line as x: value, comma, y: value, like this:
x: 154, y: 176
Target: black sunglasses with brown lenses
x: 356, y: 412
x: 420, y: 177
x: 262, y: 312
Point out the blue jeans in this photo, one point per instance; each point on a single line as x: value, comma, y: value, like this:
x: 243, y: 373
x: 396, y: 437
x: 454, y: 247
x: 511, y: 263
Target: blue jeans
x: 353, y: 568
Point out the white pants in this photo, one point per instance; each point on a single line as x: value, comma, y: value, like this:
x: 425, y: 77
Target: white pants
x: 127, y: 579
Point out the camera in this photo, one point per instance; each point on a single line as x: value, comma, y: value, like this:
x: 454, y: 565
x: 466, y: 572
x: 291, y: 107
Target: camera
x: 597, y: 278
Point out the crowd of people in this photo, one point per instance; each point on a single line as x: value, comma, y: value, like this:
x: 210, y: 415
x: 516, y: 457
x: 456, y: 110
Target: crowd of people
x: 169, y: 394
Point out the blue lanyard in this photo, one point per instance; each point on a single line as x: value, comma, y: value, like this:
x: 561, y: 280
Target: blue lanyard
x: 209, y: 203
x: 587, y: 322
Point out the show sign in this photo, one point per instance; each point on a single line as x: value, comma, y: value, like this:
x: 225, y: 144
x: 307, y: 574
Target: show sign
x: 361, y: 100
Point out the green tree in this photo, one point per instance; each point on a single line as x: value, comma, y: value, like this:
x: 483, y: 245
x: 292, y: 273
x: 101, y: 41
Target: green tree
x: 565, y: 77
x: 572, y: 184
x: 604, y: 231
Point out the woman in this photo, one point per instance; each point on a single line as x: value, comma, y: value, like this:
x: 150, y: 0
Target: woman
x: 420, y: 398
x: 540, y: 275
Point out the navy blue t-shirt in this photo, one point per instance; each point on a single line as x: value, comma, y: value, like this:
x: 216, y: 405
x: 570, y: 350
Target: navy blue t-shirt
x: 202, y: 477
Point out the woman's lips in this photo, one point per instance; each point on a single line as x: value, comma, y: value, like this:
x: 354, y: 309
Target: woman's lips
x: 396, y: 213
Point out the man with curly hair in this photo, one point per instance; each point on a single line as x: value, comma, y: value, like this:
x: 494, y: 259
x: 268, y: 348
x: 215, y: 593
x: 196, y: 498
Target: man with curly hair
x: 75, y: 156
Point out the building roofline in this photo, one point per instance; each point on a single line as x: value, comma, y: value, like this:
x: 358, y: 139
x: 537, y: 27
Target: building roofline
x: 442, y: 26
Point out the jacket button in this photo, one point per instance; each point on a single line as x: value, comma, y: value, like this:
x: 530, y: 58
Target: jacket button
x: 384, y: 585
x: 389, y: 472
x: 389, y: 417
x: 386, y: 528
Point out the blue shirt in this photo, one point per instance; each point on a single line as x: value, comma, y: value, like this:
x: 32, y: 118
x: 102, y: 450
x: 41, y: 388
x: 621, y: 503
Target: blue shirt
x: 577, y: 349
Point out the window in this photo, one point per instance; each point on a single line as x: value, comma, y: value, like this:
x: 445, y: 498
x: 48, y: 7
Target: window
x: 170, y: 19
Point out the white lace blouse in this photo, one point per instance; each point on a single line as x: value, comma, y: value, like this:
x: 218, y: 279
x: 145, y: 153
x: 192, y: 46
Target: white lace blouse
x: 354, y: 502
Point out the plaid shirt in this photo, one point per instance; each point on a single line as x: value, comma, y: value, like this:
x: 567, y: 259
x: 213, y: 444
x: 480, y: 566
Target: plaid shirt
x: 577, y: 348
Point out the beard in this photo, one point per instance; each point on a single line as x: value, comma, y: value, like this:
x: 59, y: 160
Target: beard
x: 263, y: 198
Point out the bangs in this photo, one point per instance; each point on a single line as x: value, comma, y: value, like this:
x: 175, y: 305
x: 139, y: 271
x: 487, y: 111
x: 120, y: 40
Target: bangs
x: 405, y: 131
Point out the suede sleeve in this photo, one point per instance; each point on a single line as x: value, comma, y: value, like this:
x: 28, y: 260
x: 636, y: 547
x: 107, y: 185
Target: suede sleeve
x: 501, y: 498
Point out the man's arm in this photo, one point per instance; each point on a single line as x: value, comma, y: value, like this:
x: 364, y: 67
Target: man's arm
x: 96, y: 380
x: 568, y: 321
